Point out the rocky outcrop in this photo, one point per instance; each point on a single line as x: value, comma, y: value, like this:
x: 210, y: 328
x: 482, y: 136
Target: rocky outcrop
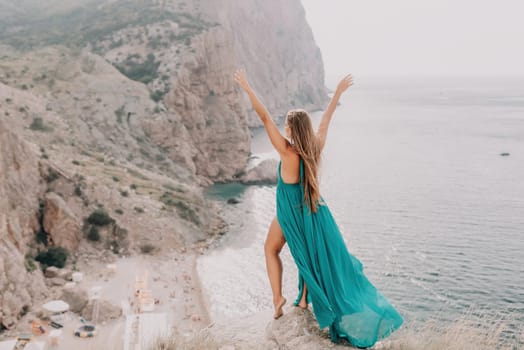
x: 60, y: 222
x: 76, y: 297
x: 208, y: 102
x: 19, y: 288
x: 263, y: 173
x: 297, y: 329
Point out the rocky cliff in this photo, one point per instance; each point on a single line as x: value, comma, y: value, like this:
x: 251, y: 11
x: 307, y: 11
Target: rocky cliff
x: 275, y: 45
x: 129, y: 108
x: 20, y: 186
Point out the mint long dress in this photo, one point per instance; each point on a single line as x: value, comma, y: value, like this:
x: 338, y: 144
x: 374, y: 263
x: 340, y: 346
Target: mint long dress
x: 343, y: 299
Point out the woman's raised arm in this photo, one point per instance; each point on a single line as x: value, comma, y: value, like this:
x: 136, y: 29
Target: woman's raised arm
x: 278, y: 141
x: 344, y: 84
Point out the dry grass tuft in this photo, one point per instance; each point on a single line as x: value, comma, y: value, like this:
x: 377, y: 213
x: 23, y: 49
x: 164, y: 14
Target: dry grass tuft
x: 198, y: 341
x: 463, y: 334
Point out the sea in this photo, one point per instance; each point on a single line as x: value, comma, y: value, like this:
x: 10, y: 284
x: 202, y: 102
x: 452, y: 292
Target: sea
x: 425, y: 178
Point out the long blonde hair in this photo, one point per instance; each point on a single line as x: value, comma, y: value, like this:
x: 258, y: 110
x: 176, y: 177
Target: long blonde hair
x: 306, y: 144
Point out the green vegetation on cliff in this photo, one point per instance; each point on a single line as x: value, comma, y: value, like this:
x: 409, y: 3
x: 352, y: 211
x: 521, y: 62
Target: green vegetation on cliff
x: 54, y: 256
x: 144, y: 72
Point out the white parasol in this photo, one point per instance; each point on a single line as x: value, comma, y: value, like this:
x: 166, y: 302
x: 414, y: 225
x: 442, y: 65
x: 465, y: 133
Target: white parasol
x: 56, y: 306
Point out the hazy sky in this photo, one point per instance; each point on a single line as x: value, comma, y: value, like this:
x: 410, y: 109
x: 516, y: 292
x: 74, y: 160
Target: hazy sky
x: 419, y: 37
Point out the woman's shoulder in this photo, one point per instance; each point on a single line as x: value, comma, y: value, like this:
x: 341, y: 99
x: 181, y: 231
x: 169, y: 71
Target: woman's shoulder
x: 290, y: 151
x: 290, y: 157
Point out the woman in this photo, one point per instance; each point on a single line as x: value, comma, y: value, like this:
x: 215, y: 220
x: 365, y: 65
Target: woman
x: 329, y: 276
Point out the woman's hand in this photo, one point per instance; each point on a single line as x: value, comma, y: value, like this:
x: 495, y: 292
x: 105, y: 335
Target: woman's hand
x: 240, y: 78
x: 345, y: 83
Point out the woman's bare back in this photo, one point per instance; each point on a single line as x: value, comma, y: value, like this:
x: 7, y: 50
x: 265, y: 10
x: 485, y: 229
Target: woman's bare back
x: 290, y: 167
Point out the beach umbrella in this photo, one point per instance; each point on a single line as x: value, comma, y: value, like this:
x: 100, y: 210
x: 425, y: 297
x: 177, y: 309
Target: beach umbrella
x: 56, y: 306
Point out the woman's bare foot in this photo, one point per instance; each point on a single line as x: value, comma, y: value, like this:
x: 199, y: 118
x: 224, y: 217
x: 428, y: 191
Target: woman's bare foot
x: 302, y: 304
x: 303, y: 301
x: 278, y: 308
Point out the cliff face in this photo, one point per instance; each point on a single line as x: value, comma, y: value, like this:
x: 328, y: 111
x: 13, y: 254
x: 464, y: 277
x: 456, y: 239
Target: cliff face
x: 19, y: 186
x: 275, y: 45
x: 208, y: 104
x: 56, y: 171
x: 130, y: 106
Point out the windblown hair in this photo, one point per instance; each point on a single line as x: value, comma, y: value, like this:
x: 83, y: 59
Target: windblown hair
x: 306, y: 144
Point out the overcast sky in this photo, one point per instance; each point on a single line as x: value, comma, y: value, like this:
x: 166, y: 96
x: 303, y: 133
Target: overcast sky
x: 419, y: 37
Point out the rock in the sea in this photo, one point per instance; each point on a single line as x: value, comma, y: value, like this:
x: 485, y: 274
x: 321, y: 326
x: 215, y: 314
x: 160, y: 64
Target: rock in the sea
x: 263, y: 173
x: 106, y: 311
x: 233, y: 201
x: 76, y: 297
x: 60, y: 222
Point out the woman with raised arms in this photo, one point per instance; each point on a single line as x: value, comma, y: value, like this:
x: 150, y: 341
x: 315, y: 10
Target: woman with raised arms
x: 330, y: 278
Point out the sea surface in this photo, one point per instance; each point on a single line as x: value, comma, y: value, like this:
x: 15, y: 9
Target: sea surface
x: 425, y: 178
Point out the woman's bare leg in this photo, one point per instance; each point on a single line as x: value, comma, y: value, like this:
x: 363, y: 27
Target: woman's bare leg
x: 274, y: 242
x: 303, y: 301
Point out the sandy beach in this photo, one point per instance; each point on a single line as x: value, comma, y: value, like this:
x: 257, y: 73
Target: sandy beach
x: 173, y: 280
